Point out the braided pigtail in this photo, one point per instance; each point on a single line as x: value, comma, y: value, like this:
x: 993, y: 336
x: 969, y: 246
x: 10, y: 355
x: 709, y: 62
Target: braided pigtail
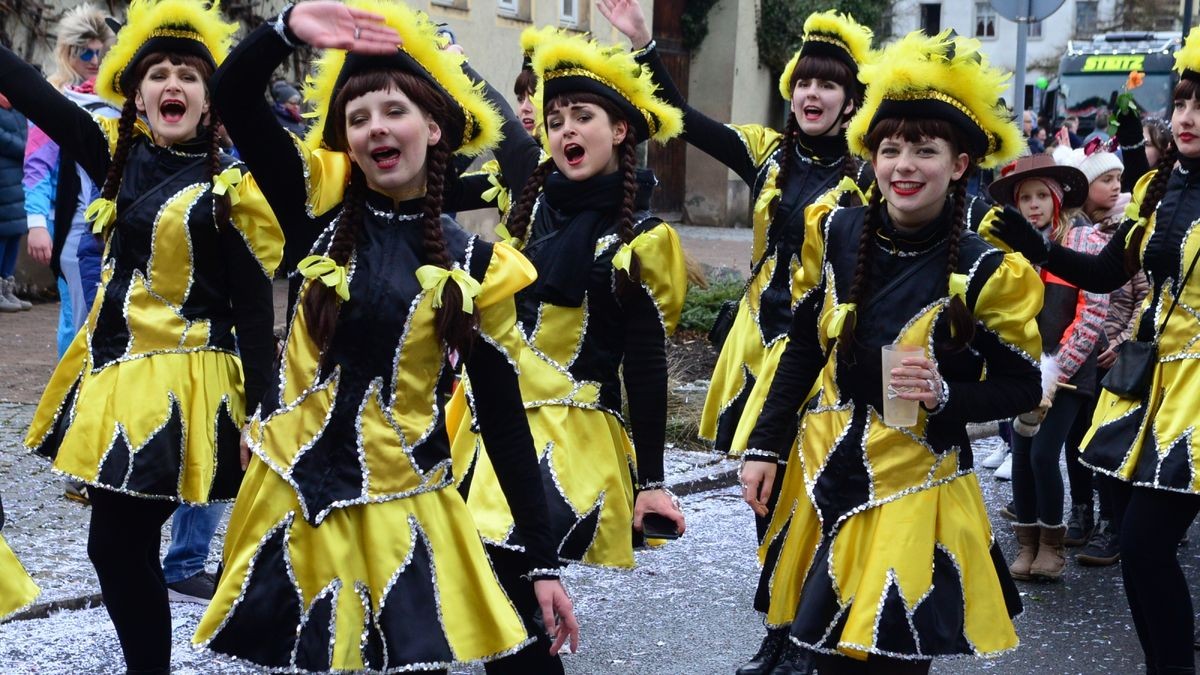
x: 321, y: 302
x: 222, y: 206
x: 521, y: 213
x: 116, y: 166
x: 1154, y: 195
x: 629, y: 279
x: 787, y: 147
x: 858, y: 287
x: 962, y: 322
x: 454, y: 326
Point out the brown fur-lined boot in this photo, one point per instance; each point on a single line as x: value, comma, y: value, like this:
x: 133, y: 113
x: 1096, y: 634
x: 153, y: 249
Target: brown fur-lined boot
x: 1051, y: 555
x: 1027, y: 551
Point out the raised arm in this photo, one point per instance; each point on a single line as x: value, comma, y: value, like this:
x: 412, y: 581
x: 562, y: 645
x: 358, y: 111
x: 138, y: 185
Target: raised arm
x: 66, y: 123
x: 742, y: 152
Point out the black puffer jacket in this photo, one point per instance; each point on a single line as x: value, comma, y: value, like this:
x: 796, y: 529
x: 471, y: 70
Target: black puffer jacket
x: 12, y: 158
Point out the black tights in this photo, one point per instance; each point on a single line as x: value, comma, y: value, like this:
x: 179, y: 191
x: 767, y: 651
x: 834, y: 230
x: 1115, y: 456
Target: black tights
x: 1152, y: 524
x: 829, y: 664
x: 123, y: 544
x: 536, y: 657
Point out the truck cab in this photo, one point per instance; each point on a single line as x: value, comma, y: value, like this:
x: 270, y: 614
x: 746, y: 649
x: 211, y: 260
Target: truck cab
x: 1093, y: 72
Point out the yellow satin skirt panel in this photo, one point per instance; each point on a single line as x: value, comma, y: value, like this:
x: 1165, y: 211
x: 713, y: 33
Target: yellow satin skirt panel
x: 390, y: 586
x: 17, y: 590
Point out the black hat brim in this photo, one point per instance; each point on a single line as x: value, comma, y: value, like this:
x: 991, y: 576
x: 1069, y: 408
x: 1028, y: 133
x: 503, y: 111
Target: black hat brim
x: 167, y: 44
x: 925, y: 108
x: 401, y: 60
x: 568, y: 84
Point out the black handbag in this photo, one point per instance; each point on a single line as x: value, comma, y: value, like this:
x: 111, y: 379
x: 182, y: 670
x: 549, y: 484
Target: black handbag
x: 1133, y: 370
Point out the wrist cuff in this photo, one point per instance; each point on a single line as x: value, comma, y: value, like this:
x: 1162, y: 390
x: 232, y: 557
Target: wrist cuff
x: 281, y: 28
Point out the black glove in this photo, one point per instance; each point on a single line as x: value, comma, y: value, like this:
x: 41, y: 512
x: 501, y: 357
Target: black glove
x: 1129, y: 128
x: 1012, y: 228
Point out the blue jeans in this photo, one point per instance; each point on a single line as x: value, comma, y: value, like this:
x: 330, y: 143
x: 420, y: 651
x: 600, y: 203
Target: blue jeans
x: 192, y: 531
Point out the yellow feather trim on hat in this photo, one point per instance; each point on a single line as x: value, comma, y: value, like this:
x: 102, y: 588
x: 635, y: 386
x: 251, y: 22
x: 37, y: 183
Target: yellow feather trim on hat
x: 147, y: 19
x: 420, y: 40
x: 555, y: 52
x: 916, y: 67
x: 836, y: 28
x: 1188, y: 56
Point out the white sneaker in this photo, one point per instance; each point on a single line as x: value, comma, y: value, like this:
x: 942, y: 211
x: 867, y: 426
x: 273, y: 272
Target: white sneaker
x: 1004, y: 471
x: 996, y: 458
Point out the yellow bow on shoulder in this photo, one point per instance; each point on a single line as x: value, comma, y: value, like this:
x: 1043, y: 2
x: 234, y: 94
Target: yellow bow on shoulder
x: 497, y: 193
x: 958, y: 286
x: 328, y: 272
x: 434, y: 278
x: 101, y: 213
x: 838, y: 322
x: 506, y: 236
x: 623, y: 258
x: 226, y: 181
x: 847, y: 184
x: 1131, y: 212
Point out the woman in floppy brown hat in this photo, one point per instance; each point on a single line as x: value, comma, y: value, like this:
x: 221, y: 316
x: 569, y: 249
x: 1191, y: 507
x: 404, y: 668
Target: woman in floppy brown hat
x: 1070, y: 323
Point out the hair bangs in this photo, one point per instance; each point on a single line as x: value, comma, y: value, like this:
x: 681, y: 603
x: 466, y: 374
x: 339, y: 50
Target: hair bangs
x: 915, y: 130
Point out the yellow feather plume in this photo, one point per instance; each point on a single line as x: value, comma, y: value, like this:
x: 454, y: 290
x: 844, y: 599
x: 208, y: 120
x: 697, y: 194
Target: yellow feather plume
x: 556, y: 51
x: 830, y: 26
x: 1188, y: 57
x: 149, y: 18
x: 419, y: 39
x: 945, y: 69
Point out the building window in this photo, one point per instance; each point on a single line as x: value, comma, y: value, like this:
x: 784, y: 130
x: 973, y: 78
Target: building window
x: 514, y: 9
x: 1035, y: 30
x: 570, y: 13
x: 453, y: 4
x: 931, y: 17
x: 1085, y: 19
x: 985, y: 20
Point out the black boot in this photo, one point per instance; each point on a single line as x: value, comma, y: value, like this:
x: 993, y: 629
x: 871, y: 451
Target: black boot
x: 1102, y: 549
x: 1079, y: 525
x: 795, y: 660
x: 768, y: 653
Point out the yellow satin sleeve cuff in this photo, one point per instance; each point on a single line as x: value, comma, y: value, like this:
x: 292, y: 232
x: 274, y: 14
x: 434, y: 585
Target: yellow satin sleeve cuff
x: 507, y: 272
x: 664, y: 271
x: 255, y: 220
x: 1009, y: 303
x: 109, y: 126
x: 326, y: 174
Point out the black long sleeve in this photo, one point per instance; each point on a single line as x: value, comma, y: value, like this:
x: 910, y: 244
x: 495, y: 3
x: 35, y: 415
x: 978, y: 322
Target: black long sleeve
x: 253, y: 314
x: 1101, y: 273
x: 708, y: 135
x: 500, y: 414
x: 65, y: 123
x: 238, y: 94
x: 645, y: 375
x: 1136, y: 166
x: 518, y: 153
x: 799, y: 367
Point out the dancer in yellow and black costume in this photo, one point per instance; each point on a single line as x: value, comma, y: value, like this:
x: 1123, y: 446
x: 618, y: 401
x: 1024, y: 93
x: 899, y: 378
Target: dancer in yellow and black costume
x: 786, y: 172
x: 610, y: 287
x: 879, y: 548
x: 17, y: 590
x: 349, y: 548
x: 147, y: 404
x: 1143, y: 429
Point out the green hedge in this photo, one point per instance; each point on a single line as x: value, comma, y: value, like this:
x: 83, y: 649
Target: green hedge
x: 700, y: 305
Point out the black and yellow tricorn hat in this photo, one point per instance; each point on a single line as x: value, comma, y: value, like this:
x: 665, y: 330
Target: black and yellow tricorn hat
x: 566, y: 63
x: 154, y: 26
x: 1187, y: 59
x: 834, y: 35
x: 942, y: 77
x: 419, y: 53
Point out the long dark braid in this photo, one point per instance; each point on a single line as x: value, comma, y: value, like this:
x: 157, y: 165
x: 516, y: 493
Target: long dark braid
x: 320, y: 301
x: 1154, y: 195
x: 962, y: 322
x: 221, y: 203
x: 116, y: 166
x: 522, y: 212
x: 850, y: 169
x: 858, y: 287
x: 455, y: 327
x: 628, y: 152
x: 787, y: 148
